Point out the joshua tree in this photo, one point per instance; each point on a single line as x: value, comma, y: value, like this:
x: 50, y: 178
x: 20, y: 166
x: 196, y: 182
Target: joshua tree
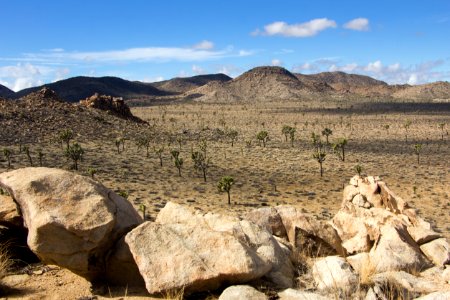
x: 224, y: 185
x: 327, y: 132
x: 358, y: 169
x: 40, y: 157
x: 286, y: 131
x: 144, y: 142
x: 232, y: 135
x: 118, y: 142
x: 123, y: 194
x: 143, y: 208
x: 27, y: 152
x: 315, y: 140
x: 417, y: 149
x: 386, y: 127
x: 406, y: 126
x: 320, y: 157
x: 203, y: 145
x: 7, y: 153
x: 177, y: 160
x: 263, y: 136
x: 292, y: 135
x: 441, y: 126
x: 65, y: 136
x: 201, y: 163
x: 92, y: 171
x: 159, y: 151
x: 75, y: 153
x: 339, y: 148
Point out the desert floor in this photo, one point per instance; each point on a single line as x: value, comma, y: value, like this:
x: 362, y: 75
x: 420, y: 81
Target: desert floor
x: 278, y: 173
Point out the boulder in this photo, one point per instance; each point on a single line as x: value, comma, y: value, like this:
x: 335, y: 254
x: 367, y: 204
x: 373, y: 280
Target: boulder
x: 436, y: 296
x: 9, y: 212
x: 423, y: 234
x: 334, y: 273
x: 188, y: 249
x: 72, y: 220
x: 269, y: 218
x: 438, y: 251
x: 395, y: 250
x: 242, y: 292
x: 291, y: 294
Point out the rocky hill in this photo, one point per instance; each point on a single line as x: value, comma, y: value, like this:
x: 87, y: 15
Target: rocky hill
x: 437, y: 90
x: 258, y: 84
x: 77, y: 88
x: 42, y: 114
x: 6, y: 92
x: 185, y: 84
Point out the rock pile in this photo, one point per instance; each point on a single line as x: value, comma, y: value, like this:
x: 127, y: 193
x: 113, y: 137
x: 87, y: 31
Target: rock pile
x: 374, y: 243
x: 115, y: 105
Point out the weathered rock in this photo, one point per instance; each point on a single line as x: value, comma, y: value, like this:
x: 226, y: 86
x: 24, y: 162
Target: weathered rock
x: 291, y: 294
x: 395, y: 250
x: 360, y: 262
x: 334, y: 273
x: 409, y: 282
x: 438, y: 251
x: 422, y: 234
x: 9, y: 212
x: 269, y: 218
x: 72, y: 220
x: 115, y: 105
x: 195, y: 251
x: 311, y: 236
x: 242, y: 292
x: 436, y: 296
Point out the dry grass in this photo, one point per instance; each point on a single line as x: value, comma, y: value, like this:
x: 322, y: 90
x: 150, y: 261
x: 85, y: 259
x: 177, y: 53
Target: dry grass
x: 5, y: 264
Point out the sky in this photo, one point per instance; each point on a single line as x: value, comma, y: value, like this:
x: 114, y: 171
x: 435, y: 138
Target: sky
x: 48, y: 40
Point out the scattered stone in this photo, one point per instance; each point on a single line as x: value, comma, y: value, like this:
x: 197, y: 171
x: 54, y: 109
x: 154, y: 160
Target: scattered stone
x: 242, y: 292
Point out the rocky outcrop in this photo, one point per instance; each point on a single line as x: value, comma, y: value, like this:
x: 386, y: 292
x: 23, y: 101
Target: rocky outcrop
x: 334, y: 273
x: 114, y: 105
x: 242, y: 292
x: 195, y: 251
x: 72, y: 220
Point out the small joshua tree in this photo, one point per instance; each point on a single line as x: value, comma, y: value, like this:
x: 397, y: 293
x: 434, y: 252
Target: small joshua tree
x: 316, y: 141
x: 92, y: 171
x: 320, y: 157
x: 232, y: 135
x: 292, y: 135
x: 65, y: 136
x: 7, y: 153
x: 40, y: 157
x: 286, y: 131
x: 177, y: 160
x: 118, y: 142
x: 358, y: 169
x: 263, y: 136
x: 143, y: 208
x: 159, y: 151
x: 339, y: 148
x: 75, y: 153
x: 406, y: 126
x: 441, y: 126
x: 224, y: 185
x: 201, y: 163
x: 417, y: 149
x: 386, y: 127
x: 27, y: 152
x: 327, y: 132
x: 144, y: 142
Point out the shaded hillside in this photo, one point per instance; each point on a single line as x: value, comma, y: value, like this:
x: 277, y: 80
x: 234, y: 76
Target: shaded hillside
x: 435, y: 90
x: 42, y: 114
x: 258, y: 84
x: 6, y: 92
x: 77, y: 88
x: 184, y: 84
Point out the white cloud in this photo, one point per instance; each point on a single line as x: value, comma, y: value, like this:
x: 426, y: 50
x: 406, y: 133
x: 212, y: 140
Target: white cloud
x: 153, y: 79
x: 21, y: 76
x: 276, y: 62
x: 359, y: 24
x: 375, y: 67
x: 61, y: 74
x: 204, y: 45
x: 413, y: 79
x: 306, y: 29
x: 245, y: 52
x: 230, y: 70
x: 197, y: 70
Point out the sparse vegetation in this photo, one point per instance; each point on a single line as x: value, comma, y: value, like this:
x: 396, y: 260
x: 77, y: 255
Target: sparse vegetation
x: 75, y: 152
x: 7, y: 153
x: 65, y: 136
x: 417, y: 150
x: 327, y: 132
x: 178, y: 161
x: 262, y: 136
x: 320, y: 156
x: 224, y: 185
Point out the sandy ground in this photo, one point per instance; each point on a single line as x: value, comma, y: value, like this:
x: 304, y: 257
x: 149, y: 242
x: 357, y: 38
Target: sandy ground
x: 276, y: 174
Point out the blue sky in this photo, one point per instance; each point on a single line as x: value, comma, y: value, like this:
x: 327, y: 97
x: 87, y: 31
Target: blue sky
x: 396, y: 41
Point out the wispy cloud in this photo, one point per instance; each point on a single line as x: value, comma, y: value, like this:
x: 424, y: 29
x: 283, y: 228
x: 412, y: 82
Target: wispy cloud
x: 204, y: 45
x: 302, y: 30
x: 358, y: 24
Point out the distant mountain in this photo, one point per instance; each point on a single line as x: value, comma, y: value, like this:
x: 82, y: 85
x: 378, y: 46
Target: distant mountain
x: 257, y: 84
x: 77, y: 88
x: 5, y: 92
x: 437, y: 90
x: 185, y: 84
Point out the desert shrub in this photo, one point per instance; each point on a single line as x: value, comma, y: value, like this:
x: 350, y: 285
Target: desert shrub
x: 358, y: 169
x: 232, y: 135
x: 92, y: 171
x: 262, y: 136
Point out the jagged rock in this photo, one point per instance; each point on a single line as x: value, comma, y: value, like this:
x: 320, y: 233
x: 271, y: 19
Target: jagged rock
x: 334, y: 273
x: 72, y: 220
x: 423, y: 234
x: 195, y: 251
x: 438, y: 251
x: 269, y: 218
x: 115, y: 105
x: 242, y: 292
x: 9, y: 212
x: 395, y: 250
x: 291, y: 294
x: 435, y: 296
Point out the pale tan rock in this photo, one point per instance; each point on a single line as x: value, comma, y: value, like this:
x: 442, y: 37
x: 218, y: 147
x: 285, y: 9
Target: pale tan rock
x: 269, y: 218
x: 9, y: 212
x: 350, y: 191
x: 291, y: 294
x: 334, y: 273
x: 396, y: 250
x: 410, y: 282
x: 438, y: 251
x: 359, y: 261
x: 72, y: 220
x: 436, y: 296
x: 242, y: 292
x: 422, y: 234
